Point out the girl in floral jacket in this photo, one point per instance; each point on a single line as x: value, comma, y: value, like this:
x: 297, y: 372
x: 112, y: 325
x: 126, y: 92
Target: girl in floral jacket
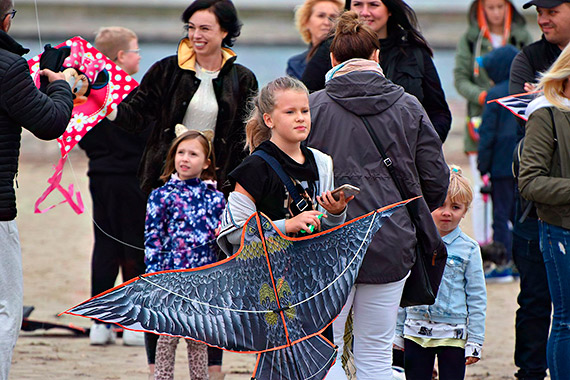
x: 181, y: 222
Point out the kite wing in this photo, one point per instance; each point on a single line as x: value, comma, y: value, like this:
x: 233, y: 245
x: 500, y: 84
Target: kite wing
x: 517, y: 103
x: 273, y: 297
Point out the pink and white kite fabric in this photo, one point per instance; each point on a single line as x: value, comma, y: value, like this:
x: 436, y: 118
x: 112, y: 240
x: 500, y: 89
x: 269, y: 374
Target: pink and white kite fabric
x: 101, y: 100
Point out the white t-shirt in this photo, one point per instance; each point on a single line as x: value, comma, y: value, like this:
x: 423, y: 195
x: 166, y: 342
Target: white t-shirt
x: 496, y: 40
x: 202, y: 112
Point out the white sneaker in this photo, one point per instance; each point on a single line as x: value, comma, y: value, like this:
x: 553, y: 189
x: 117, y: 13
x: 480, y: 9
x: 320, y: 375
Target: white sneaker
x: 101, y: 334
x: 133, y: 338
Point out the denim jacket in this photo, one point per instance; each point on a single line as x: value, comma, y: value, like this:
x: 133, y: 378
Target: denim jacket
x: 462, y: 295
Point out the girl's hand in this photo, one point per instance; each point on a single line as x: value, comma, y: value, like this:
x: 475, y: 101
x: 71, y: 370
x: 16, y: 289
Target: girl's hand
x: 331, y: 205
x: 471, y: 360
x: 303, y: 221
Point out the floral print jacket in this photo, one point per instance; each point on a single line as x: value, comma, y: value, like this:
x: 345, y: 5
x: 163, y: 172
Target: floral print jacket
x: 181, y: 220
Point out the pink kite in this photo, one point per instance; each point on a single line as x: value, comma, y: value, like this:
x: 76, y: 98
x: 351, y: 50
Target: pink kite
x: 99, y: 85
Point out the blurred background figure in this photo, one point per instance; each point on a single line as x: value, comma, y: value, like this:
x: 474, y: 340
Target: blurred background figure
x: 492, y: 23
x: 498, y: 137
x: 314, y: 20
x: 119, y: 205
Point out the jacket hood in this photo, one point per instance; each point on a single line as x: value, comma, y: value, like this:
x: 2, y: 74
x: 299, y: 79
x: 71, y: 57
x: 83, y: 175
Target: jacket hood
x: 477, y: 20
x: 497, y: 63
x: 363, y: 92
x: 10, y: 44
x: 187, y: 56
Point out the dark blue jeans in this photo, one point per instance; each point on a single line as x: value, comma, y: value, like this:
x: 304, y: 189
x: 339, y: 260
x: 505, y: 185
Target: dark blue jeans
x: 555, y: 247
x: 533, y: 315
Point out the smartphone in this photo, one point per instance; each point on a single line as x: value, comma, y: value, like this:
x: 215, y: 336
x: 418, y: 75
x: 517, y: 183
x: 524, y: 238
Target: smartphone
x: 348, y: 190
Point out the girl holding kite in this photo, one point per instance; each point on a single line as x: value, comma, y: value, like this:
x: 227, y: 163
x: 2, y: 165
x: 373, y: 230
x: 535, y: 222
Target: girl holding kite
x: 280, y: 121
x: 182, y: 218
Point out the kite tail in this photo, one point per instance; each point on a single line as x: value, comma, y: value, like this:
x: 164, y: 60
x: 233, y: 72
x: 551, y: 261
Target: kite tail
x: 54, y: 184
x: 310, y: 358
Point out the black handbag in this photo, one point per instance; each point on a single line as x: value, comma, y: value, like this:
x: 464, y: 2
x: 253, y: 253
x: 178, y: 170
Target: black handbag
x: 431, y: 254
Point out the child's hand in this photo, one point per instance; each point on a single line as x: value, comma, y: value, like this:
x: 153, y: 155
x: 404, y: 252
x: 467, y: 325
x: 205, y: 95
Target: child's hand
x: 303, y: 221
x: 530, y: 87
x: 331, y: 205
x: 471, y: 360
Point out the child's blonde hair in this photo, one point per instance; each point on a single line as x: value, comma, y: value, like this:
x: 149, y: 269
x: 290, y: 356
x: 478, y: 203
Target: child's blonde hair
x: 205, y: 138
x: 110, y: 40
x: 459, y: 190
x: 256, y: 131
x: 553, y: 81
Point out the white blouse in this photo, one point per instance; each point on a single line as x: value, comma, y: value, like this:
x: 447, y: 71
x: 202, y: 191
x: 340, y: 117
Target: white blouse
x: 202, y: 112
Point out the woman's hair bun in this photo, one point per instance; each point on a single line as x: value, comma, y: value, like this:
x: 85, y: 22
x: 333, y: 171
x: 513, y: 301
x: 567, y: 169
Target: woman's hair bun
x: 348, y: 23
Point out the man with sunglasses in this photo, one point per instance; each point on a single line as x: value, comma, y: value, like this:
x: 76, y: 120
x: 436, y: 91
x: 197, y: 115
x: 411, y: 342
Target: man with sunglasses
x: 44, y: 115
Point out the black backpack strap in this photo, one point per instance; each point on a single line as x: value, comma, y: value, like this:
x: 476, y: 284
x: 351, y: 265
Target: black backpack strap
x: 385, y: 159
x: 300, y: 202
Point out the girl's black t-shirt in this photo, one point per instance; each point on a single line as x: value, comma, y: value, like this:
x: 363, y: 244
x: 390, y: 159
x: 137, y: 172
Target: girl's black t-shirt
x: 265, y: 186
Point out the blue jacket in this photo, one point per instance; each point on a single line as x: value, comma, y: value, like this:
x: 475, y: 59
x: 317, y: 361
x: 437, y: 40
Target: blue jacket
x: 181, y: 220
x: 498, y: 130
x: 297, y: 63
x: 462, y: 295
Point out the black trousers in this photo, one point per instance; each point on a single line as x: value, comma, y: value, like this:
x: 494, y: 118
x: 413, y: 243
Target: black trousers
x: 419, y: 361
x: 119, y: 209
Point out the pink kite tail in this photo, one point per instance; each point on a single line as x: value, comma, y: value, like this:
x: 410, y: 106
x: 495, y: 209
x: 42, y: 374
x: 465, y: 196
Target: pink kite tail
x: 54, y: 182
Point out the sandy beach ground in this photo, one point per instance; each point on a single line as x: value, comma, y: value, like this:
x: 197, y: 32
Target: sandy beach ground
x: 56, y: 249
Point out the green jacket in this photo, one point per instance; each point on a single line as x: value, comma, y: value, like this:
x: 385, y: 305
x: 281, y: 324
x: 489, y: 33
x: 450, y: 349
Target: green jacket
x: 544, y: 176
x: 470, y: 83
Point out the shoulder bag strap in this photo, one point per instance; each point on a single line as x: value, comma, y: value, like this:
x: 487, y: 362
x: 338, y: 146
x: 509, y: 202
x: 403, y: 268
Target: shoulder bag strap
x: 301, y: 203
x: 385, y: 159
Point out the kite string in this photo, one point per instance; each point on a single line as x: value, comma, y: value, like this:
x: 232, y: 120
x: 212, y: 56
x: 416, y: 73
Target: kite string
x: 209, y: 242
x: 38, y: 24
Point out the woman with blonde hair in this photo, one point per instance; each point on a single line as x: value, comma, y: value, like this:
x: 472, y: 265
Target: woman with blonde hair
x: 357, y: 90
x: 544, y: 178
x: 314, y: 20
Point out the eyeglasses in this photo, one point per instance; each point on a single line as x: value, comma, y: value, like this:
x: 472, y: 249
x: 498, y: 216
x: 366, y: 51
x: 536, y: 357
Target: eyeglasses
x: 12, y: 13
x: 136, y: 51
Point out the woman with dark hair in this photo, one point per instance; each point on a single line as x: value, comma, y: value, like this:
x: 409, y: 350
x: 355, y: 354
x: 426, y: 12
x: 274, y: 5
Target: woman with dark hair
x: 314, y: 20
x: 357, y: 92
x: 202, y: 88
x: 405, y: 57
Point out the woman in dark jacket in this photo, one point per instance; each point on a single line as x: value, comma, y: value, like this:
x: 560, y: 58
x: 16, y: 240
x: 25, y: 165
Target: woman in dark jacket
x: 201, y: 87
x: 357, y: 87
x: 405, y: 58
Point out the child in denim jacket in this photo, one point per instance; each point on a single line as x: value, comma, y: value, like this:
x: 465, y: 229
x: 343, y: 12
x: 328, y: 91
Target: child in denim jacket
x: 454, y: 327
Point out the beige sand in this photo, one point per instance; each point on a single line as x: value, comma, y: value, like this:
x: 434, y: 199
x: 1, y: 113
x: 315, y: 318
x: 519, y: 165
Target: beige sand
x: 56, y: 249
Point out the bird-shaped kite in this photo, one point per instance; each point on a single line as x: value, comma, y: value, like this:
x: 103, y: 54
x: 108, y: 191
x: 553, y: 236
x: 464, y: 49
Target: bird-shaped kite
x: 273, y: 297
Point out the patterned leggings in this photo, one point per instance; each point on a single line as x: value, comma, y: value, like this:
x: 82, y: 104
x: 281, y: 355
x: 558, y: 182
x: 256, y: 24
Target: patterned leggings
x: 166, y: 354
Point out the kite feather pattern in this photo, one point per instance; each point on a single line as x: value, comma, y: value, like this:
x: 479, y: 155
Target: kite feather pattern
x: 274, y: 296
x: 85, y: 58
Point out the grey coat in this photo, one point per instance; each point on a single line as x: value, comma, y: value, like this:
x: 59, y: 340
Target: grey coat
x: 409, y: 139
